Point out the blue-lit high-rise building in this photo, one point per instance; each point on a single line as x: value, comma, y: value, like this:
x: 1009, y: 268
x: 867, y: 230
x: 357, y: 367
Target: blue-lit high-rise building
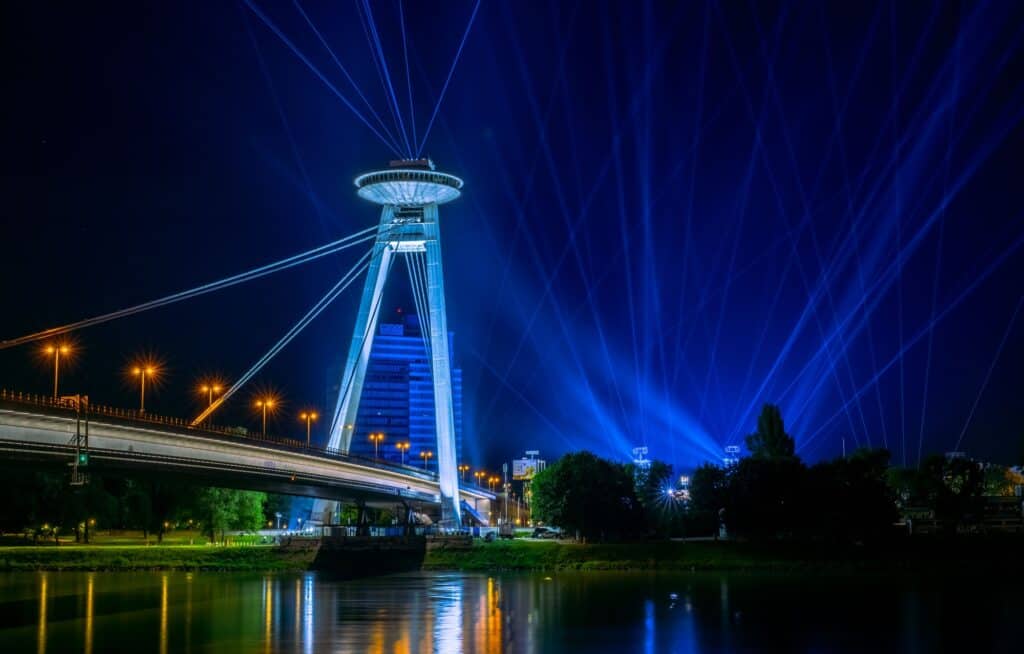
x: 398, y: 396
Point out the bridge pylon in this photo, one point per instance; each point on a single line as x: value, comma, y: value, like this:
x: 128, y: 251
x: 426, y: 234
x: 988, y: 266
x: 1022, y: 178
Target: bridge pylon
x: 409, y: 192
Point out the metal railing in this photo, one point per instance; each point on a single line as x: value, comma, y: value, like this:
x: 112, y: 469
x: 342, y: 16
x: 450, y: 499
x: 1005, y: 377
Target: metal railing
x: 134, y: 417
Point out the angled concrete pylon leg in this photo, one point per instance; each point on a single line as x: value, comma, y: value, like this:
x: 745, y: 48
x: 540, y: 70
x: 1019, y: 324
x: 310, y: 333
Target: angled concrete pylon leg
x: 440, y: 366
x: 347, y: 408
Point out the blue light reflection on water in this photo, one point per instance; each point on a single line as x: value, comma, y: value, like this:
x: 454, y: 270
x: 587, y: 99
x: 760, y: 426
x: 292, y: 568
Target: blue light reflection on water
x: 451, y: 612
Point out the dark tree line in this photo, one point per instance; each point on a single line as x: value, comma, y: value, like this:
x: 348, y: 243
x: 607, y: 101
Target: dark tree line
x: 769, y: 495
x: 37, y: 498
x: 772, y: 494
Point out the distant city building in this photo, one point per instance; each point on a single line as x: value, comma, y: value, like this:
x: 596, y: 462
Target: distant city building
x: 640, y: 459
x: 398, y: 396
x: 732, y: 455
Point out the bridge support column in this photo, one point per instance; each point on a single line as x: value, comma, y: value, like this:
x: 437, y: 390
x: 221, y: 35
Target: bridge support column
x: 406, y: 518
x: 362, y: 520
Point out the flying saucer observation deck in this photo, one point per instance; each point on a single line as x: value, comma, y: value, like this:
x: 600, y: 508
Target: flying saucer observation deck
x: 408, y: 187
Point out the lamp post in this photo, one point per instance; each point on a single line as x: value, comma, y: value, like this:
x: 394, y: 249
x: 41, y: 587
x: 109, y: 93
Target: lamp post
x: 309, y: 417
x: 210, y: 389
x: 263, y: 405
x: 491, y: 481
x: 143, y: 371
x: 403, y: 448
x: 376, y: 438
x: 479, y: 474
x: 57, y: 350
x: 426, y: 455
x: 463, y: 469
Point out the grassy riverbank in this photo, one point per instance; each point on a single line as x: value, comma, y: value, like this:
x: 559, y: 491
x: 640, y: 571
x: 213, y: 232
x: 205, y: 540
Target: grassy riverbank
x: 955, y: 556
x: 168, y: 557
x: 976, y: 555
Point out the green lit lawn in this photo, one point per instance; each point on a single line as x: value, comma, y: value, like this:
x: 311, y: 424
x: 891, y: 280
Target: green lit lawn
x: 143, y: 557
x: 969, y: 554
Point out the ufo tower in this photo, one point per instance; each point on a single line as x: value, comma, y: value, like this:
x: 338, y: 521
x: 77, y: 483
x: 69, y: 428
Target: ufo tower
x: 409, y: 192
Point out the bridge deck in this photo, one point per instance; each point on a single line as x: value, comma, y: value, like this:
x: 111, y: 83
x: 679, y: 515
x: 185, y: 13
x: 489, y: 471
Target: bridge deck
x: 37, y: 427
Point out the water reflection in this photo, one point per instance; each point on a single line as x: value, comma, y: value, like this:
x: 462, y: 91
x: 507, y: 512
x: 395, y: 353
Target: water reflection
x: 307, y: 613
x: 448, y: 627
x: 268, y: 612
x: 163, y: 614
x: 41, y: 647
x: 90, y: 584
x: 479, y: 614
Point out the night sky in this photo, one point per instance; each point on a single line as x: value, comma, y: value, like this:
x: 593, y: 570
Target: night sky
x: 673, y: 213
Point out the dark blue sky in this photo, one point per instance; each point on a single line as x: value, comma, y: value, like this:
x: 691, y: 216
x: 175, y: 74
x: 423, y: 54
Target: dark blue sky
x: 673, y: 212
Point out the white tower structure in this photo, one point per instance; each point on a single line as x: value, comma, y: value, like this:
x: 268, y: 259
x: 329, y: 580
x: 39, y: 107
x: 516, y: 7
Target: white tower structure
x: 409, y: 193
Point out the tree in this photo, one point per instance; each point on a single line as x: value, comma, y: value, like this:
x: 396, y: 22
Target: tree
x: 248, y: 508
x: 770, y: 441
x: 709, y: 485
x: 651, y: 486
x: 849, y: 499
x: 998, y: 481
x: 588, y: 495
x: 221, y: 509
x: 766, y: 497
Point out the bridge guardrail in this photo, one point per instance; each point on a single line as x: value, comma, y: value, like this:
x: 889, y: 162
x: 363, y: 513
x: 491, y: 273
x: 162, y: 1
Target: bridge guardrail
x: 66, y: 406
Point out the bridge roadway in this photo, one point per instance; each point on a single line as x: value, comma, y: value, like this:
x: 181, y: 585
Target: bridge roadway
x: 39, y: 429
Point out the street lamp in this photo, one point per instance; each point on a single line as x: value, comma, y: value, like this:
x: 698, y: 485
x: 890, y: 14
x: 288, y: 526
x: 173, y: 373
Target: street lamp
x: 278, y: 516
x: 309, y: 417
x: 376, y: 437
x: 142, y: 371
x: 403, y: 448
x: 491, y: 481
x: 210, y: 389
x: 264, y: 404
x: 426, y: 455
x: 479, y: 474
x: 56, y: 350
x: 463, y: 469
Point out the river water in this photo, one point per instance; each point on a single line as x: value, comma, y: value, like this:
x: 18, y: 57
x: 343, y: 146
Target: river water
x: 458, y: 612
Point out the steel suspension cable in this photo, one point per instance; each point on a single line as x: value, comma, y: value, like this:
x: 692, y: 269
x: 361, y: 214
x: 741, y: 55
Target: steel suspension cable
x: 336, y: 290
x: 421, y: 271
x: 361, y: 236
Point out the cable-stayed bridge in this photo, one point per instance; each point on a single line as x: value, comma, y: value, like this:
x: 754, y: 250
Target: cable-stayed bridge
x: 409, y: 193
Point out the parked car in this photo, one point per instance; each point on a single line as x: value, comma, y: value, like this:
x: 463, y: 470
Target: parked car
x: 545, y: 532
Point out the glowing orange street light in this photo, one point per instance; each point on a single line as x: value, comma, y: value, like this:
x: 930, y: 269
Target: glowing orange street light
x: 463, y: 469
x: 264, y: 404
x: 491, y: 481
x: 426, y: 455
x: 309, y: 417
x: 210, y: 389
x: 403, y: 448
x: 479, y: 474
x: 376, y: 437
x: 142, y: 371
x: 56, y: 350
